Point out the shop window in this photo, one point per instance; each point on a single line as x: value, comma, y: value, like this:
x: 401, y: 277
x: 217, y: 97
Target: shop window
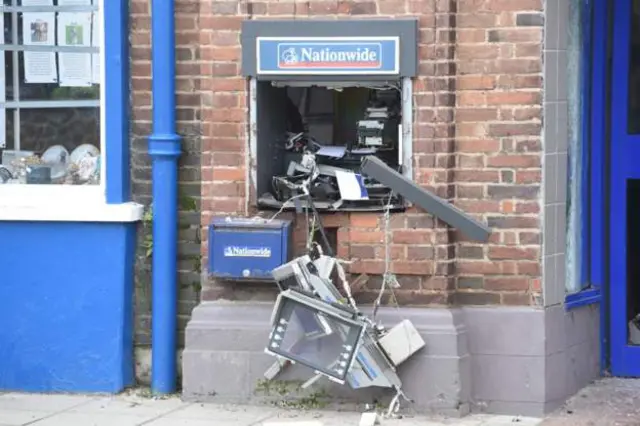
x: 577, y: 149
x: 582, y: 285
x: 330, y: 128
x: 50, y: 93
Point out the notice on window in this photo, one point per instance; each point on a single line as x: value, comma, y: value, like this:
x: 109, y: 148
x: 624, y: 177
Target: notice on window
x: 74, y: 30
x: 96, y: 30
x: 38, y: 29
x: 37, y: 2
x: 3, y: 94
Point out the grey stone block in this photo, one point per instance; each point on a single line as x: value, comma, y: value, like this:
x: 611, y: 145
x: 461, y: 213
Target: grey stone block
x: 552, y: 283
x: 517, y: 331
x: 513, y: 360
x: 550, y: 177
x: 210, y: 374
x: 436, y: 378
x: 550, y: 129
x: 551, y: 89
x: 551, y: 27
x: 556, y: 367
x: 550, y: 224
x: 508, y: 378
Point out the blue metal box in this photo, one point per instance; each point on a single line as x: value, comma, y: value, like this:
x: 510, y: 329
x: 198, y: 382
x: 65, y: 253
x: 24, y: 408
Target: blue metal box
x: 247, y: 249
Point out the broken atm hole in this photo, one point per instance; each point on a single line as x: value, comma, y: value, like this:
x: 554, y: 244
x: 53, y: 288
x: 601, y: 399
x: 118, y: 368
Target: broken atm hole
x: 316, y: 136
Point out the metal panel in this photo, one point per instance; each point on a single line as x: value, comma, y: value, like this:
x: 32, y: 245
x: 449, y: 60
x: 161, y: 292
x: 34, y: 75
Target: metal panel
x: 243, y: 249
x: 433, y: 204
x: 406, y: 30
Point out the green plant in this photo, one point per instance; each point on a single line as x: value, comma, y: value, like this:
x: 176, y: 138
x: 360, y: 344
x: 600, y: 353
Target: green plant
x: 185, y: 203
x: 290, y: 394
x: 278, y: 387
x: 147, y: 223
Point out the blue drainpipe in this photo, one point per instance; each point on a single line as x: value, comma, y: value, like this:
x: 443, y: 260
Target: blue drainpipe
x: 164, y: 149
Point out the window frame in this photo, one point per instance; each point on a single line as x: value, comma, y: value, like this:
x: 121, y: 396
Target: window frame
x: 593, y: 122
x: 114, y: 187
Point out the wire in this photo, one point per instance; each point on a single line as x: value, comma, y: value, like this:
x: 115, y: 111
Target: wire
x: 284, y: 206
x: 394, y: 406
x: 389, y: 279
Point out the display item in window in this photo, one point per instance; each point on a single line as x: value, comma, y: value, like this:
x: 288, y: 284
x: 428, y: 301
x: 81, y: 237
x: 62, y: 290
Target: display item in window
x: 55, y: 166
x: 25, y: 170
x: 5, y: 174
x: 88, y: 169
x: 57, y: 158
x: 38, y: 174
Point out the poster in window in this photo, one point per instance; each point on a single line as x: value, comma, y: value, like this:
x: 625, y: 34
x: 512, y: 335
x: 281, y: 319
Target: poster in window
x: 38, y: 29
x: 95, y: 42
x: 74, y: 30
x: 3, y: 95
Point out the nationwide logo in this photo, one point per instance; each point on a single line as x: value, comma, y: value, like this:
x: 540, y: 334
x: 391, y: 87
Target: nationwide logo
x: 329, y: 55
x: 238, y: 251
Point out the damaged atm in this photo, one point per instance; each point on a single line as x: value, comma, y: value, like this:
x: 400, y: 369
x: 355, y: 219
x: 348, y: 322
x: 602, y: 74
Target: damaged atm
x: 325, y: 94
x: 331, y: 130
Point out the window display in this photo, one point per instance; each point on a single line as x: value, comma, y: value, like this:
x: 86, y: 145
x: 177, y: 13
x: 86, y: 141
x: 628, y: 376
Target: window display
x: 50, y: 92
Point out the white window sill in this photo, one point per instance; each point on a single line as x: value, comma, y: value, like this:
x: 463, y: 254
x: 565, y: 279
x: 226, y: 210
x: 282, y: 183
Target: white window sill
x: 62, y: 203
x: 68, y: 210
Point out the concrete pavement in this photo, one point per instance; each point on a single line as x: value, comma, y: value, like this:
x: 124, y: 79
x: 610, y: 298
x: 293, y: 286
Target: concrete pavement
x: 134, y: 409
x: 608, y: 402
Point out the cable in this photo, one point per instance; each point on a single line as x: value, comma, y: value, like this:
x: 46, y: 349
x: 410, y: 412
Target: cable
x: 284, y: 206
x: 388, y: 279
x: 394, y: 406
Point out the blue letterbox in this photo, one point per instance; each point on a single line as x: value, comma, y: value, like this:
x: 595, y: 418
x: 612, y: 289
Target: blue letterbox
x: 247, y: 249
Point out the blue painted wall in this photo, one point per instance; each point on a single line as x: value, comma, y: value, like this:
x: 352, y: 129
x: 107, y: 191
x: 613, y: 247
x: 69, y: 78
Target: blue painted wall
x: 66, y: 306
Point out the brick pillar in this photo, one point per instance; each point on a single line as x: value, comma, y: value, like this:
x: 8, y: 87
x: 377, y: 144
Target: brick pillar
x: 498, y: 146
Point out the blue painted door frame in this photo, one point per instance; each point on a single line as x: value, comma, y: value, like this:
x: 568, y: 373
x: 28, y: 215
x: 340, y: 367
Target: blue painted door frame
x: 624, y: 161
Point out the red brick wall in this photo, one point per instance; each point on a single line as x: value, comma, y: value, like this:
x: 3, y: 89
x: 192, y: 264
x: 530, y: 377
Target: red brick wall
x: 476, y: 142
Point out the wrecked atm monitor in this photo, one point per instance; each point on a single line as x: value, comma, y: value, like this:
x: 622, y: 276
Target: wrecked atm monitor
x: 308, y: 331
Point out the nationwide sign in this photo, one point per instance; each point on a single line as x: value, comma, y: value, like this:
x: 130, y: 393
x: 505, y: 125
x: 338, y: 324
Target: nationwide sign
x: 240, y: 251
x: 328, y: 55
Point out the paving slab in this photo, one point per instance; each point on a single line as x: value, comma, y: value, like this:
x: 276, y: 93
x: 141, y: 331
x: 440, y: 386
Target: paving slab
x: 20, y: 417
x: 137, y: 409
x: 130, y: 406
x: 85, y: 419
x: 607, y: 402
x: 223, y: 414
x: 41, y: 402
